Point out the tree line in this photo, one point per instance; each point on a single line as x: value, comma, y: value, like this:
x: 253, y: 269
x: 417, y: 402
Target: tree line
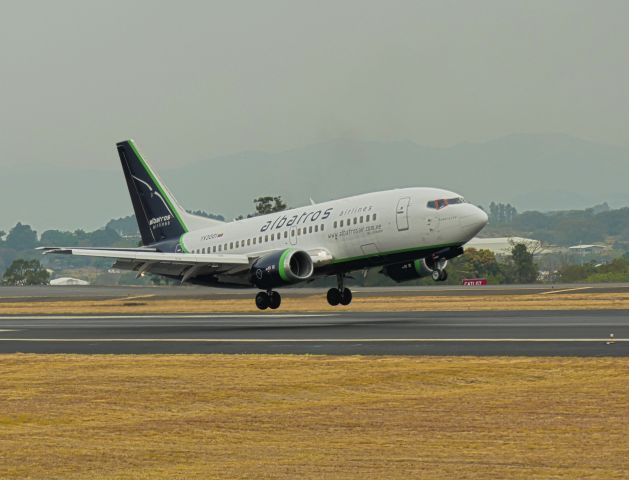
x: 22, y: 265
x: 564, y: 228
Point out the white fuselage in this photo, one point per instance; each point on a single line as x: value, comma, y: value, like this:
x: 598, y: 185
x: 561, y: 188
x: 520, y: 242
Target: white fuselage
x: 373, y: 225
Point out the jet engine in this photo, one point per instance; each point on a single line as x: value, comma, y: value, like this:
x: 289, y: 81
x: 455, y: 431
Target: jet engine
x: 402, y: 272
x: 281, y: 268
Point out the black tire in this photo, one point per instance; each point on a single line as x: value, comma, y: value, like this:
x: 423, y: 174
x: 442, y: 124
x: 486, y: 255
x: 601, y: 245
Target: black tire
x: 436, y: 275
x: 262, y: 301
x: 346, y: 296
x: 275, y: 300
x: 444, y: 276
x: 334, y: 297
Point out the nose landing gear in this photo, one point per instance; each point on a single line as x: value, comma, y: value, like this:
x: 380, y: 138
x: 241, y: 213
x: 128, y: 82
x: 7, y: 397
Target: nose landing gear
x: 439, y: 275
x: 340, y: 295
x: 270, y: 299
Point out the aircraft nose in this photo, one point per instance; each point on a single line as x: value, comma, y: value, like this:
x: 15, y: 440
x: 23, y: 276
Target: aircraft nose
x: 483, y: 218
x: 475, y: 220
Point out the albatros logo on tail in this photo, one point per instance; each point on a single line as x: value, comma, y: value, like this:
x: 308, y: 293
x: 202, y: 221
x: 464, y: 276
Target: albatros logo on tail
x: 160, y: 221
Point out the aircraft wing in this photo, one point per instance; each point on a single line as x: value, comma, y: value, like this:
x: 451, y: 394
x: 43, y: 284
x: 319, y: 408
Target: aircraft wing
x: 183, y: 265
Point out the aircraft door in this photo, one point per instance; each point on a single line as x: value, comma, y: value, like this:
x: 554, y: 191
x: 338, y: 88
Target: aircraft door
x: 401, y: 213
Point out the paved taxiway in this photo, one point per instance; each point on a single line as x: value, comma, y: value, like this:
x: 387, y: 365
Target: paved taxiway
x: 574, y: 333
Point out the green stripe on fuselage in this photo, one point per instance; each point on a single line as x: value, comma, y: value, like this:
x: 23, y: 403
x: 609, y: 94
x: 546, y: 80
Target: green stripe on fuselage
x: 394, y: 252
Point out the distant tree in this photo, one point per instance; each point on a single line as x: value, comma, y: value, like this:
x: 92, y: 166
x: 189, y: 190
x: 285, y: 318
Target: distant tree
x: 501, y: 214
x: 57, y: 238
x: 81, y: 235
x: 2, y: 235
x: 478, y: 263
x: 26, y: 272
x: 105, y: 237
x: 524, y: 269
x: 266, y: 205
x: 493, y: 212
x: 125, y: 226
x: 22, y: 237
x: 532, y: 220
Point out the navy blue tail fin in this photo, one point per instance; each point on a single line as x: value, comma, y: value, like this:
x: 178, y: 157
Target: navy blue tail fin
x: 158, y: 214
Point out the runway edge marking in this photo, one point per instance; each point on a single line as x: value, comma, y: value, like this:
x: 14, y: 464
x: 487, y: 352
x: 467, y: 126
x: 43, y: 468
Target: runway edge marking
x: 550, y: 292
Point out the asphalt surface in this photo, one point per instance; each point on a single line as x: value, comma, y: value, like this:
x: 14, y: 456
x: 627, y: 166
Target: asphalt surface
x: 47, y: 293
x: 581, y: 333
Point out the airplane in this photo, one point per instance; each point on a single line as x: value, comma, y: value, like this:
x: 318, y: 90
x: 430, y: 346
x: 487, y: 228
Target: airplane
x: 409, y: 233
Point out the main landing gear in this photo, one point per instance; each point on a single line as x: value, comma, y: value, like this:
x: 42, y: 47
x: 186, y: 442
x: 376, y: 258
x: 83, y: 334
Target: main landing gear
x: 270, y: 299
x: 340, y: 295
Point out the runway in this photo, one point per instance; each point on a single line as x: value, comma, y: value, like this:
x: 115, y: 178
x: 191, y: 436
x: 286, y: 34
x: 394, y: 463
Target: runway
x: 573, y: 333
x: 72, y: 293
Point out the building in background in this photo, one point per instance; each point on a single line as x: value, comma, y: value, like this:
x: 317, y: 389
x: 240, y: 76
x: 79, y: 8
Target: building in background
x: 68, y: 281
x: 502, y: 246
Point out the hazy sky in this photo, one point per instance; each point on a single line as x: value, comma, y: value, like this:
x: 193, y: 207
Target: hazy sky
x: 191, y: 80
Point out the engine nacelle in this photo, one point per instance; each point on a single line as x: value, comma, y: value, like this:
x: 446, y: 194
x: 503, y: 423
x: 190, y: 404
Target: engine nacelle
x: 402, y: 272
x: 281, y: 268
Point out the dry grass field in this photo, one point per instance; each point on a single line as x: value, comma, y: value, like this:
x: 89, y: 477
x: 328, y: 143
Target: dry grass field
x: 187, y: 417
x: 317, y: 303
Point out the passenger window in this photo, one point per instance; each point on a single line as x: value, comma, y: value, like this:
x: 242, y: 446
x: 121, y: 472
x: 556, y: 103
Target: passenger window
x: 203, y: 251
x: 367, y: 218
x: 220, y: 248
x: 214, y: 249
x: 322, y: 227
x: 285, y: 234
x: 316, y: 228
x: 292, y: 233
x: 361, y: 219
x: 260, y: 239
x: 254, y: 240
x: 309, y: 229
x: 237, y: 243
x: 266, y: 238
x: 335, y: 225
x: 231, y: 245
x: 272, y: 236
x: 298, y: 231
x: 374, y: 217
x: 355, y: 220
x: 341, y: 223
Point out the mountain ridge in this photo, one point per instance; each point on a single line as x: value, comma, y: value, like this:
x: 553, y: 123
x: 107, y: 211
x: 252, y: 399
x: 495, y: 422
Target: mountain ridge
x: 531, y: 171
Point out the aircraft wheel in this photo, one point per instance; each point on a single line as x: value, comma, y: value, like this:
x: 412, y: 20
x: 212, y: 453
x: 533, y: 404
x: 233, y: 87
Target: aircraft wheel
x: 444, y: 276
x: 274, y: 300
x: 334, y: 297
x: 346, y: 296
x: 262, y: 300
x: 436, y: 275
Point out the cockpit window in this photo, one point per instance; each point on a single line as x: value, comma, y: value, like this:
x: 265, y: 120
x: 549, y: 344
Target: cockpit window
x: 444, y: 202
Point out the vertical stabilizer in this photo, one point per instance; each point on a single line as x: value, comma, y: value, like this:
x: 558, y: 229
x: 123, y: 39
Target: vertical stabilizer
x: 158, y: 214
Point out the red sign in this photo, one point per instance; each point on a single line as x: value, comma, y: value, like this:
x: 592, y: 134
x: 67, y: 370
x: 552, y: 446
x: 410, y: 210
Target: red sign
x: 472, y: 282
